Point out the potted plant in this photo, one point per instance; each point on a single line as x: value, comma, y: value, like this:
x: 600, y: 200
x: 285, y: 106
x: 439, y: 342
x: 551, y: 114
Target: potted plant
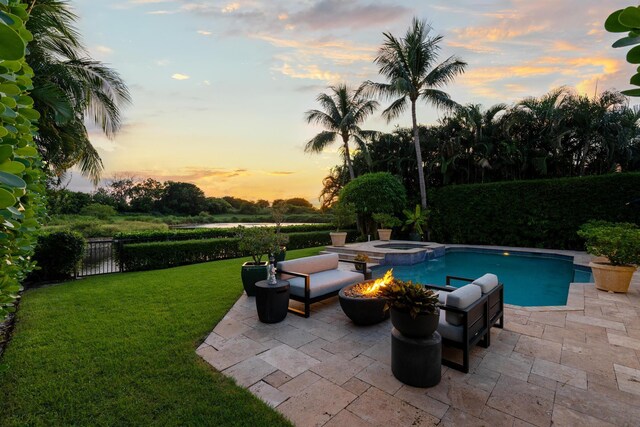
x: 344, y: 214
x: 362, y: 258
x: 414, y: 308
x: 416, y: 221
x: 256, y: 242
x: 278, y: 212
x: 279, y: 249
x: 618, y: 246
x: 386, y: 223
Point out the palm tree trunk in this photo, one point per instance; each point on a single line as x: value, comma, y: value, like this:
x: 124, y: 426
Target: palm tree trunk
x: 347, y: 156
x: 416, y: 142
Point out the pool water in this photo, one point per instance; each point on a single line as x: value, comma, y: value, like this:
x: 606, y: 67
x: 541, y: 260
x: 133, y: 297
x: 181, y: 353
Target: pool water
x: 529, y: 279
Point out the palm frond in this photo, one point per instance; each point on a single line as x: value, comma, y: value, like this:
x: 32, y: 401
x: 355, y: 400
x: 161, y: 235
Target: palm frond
x: 318, y: 143
x: 396, y: 108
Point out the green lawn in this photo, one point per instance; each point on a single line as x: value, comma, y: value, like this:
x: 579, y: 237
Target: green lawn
x: 120, y: 350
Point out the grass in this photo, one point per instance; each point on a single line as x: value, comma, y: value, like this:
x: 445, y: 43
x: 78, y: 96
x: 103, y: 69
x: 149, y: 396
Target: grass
x: 120, y: 350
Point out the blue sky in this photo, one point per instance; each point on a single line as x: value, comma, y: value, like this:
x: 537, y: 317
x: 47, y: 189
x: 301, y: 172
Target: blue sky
x: 220, y: 87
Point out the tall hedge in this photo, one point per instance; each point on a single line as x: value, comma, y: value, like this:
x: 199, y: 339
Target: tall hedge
x: 21, y: 178
x: 540, y: 213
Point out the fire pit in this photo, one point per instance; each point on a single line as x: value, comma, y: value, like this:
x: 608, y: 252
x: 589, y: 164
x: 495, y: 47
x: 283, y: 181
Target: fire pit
x: 361, y: 302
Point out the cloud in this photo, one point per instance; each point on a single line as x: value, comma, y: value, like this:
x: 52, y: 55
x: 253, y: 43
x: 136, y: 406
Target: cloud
x: 204, y: 32
x: 331, y: 14
x: 162, y: 12
x: 230, y: 7
x: 206, y: 82
x: 104, y: 50
x: 310, y: 72
x: 139, y: 2
x: 178, y: 76
x: 280, y: 173
x: 163, y: 62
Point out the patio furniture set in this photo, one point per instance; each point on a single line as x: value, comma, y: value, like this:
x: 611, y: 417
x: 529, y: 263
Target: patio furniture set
x: 466, y: 314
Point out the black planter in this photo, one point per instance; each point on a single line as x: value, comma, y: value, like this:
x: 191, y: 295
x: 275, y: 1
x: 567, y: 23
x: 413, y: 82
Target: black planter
x: 416, y: 361
x: 421, y: 327
x: 363, y: 311
x: 252, y: 273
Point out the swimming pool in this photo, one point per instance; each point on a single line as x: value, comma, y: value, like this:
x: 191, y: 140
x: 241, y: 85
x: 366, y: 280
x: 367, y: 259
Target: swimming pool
x: 529, y: 279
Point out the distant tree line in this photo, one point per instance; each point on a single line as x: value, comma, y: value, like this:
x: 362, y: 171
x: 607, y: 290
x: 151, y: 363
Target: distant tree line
x: 149, y: 196
x: 560, y: 134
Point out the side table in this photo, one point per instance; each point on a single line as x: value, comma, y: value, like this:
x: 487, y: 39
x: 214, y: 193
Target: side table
x: 272, y: 301
x: 416, y: 361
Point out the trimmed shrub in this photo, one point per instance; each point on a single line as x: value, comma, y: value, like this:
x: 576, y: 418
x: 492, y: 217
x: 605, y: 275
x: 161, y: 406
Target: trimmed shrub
x: 155, y: 255
x: 619, y: 242
x: 58, y: 256
x: 206, y: 233
x: 537, y: 213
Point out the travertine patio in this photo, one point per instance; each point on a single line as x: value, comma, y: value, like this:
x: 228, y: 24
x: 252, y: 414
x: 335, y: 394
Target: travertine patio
x: 577, y: 365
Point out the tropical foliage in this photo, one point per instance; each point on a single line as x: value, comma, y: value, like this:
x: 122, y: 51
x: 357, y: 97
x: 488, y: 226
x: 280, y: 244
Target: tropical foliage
x: 69, y: 90
x: 619, y: 242
x: 343, y: 111
x: 410, y: 66
x: 560, y: 134
x: 21, y: 178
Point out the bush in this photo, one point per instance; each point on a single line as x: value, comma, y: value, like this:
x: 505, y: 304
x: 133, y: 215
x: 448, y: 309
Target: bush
x: 205, y: 233
x: 58, y: 256
x: 154, y: 255
x: 98, y: 210
x: 540, y: 213
x: 257, y: 242
x: 619, y: 242
x: 372, y: 193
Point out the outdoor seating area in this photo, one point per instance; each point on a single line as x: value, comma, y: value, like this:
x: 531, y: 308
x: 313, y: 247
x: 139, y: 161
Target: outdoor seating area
x: 572, y: 365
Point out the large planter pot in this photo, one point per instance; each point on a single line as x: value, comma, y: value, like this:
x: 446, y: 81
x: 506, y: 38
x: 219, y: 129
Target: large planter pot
x: 384, y: 233
x: 614, y: 278
x: 338, y: 238
x: 421, y: 327
x: 252, y: 273
x: 363, y: 311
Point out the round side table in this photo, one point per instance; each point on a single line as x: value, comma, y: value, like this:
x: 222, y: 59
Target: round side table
x: 272, y: 301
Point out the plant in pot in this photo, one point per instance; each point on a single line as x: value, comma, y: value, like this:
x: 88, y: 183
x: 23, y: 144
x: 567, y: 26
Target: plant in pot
x: 256, y: 242
x: 386, y: 223
x: 362, y: 258
x: 278, y: 212
x: 416, y: 221
x: 344, y: 214
x: 279, y: 248
x: 618, y: 247
x: 414, y: 308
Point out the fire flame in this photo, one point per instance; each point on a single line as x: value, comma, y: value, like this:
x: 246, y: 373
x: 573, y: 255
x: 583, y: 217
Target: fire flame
x: 387, y: 279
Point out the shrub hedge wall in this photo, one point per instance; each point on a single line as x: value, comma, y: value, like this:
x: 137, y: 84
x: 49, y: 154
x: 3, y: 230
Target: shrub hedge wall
x: 206, y: 233
x: 155, y: 255
x: 57, y: 255
x: 540, y: 213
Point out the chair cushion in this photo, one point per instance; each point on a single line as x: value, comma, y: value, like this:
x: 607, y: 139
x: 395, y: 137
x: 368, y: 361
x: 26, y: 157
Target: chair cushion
x: 324, y: 282
x: 462, y: 298
x: 487, y: 283
x: 309, y: 265
x: 449, y: 331
x: 442, y: 297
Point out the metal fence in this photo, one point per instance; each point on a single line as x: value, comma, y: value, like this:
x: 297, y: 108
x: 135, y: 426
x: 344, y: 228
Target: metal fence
x: 99, y: 258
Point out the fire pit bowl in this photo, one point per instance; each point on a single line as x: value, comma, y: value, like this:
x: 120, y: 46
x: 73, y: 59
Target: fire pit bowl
x: 362, y: 309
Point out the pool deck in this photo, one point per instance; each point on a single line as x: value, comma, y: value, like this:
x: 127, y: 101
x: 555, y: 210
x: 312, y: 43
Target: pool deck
x: 572, y: 366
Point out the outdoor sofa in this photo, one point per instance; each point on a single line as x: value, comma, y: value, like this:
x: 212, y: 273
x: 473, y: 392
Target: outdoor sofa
x: 316, y: 278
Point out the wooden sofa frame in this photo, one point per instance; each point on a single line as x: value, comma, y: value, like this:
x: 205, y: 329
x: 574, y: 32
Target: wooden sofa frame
x: 306, y: 299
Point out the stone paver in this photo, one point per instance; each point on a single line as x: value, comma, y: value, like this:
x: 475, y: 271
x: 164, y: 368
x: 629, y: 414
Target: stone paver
x: 577, y: 364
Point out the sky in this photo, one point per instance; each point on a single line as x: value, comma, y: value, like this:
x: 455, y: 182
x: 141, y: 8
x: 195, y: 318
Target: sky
x: 220, y: 88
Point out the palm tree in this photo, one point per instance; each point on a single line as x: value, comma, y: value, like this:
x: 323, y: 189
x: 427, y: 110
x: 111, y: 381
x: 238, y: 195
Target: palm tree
x: 69, y: 89
x: 344, y: 110
x: 409, y: 64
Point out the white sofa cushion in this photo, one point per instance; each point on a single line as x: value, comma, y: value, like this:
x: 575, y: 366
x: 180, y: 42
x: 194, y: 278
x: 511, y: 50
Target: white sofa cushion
x: 449, y: 331
x: 442, y: 297
x: 309, y: 265
x: 487, y: 282
x: 324, y: 282
x: 462, y: 298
